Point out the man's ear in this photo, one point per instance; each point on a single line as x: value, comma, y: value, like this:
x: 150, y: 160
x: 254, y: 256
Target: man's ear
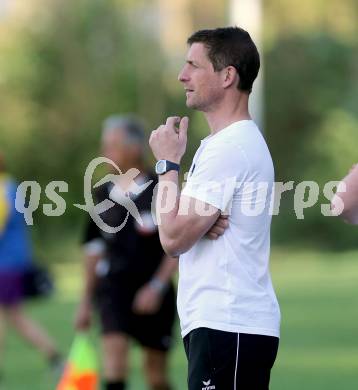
x: 230, y: 76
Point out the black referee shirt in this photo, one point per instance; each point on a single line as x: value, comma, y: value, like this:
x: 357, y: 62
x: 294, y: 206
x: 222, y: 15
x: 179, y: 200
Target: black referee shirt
x: 134, y: 249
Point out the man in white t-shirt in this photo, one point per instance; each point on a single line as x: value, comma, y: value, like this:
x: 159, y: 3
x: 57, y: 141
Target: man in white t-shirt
x: 228, y: 310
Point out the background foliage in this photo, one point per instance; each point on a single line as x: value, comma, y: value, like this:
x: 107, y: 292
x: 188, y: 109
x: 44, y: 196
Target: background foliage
x: 64, y: 66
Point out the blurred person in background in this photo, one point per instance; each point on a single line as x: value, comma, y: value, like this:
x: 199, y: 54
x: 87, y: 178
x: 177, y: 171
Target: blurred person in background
x: 15, y: 259
x: 128, y: 277
x: 345, y: 203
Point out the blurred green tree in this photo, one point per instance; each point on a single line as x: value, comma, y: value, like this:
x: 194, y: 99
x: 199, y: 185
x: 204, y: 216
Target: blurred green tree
x: 64, y: 67
x: 312, y: 126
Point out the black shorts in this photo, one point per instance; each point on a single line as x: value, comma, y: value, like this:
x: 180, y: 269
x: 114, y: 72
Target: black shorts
x: 229, y: 361
x: 114, y: 300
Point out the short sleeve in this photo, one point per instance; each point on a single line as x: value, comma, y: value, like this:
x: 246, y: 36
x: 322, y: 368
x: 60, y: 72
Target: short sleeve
x: 93, y: 243
x: 216, y: 175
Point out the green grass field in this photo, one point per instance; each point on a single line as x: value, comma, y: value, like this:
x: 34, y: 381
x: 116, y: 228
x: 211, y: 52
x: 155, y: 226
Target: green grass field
x: 318, y: 293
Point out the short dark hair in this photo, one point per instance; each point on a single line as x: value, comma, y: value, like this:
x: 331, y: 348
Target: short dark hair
x: 231, y: 46
x: 131, y: 124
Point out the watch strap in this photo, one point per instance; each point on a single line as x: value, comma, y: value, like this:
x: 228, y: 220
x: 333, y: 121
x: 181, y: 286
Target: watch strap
x: 171, y: 166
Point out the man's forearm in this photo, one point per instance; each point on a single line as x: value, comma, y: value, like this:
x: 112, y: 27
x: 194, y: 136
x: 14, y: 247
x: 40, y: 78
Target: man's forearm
x: 174, y: 231
x: 168, y: 267
x: 168, y: 199
x: 349, y: 198
x: 180, y: 223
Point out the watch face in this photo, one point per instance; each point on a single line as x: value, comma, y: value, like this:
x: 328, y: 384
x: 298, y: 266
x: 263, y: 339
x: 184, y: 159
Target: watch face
x: 160, y: 167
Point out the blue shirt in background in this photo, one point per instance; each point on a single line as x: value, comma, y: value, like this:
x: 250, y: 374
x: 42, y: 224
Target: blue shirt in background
x: 15, y: 245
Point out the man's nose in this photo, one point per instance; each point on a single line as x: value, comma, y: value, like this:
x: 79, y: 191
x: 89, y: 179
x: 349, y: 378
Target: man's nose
x: 183, y: 76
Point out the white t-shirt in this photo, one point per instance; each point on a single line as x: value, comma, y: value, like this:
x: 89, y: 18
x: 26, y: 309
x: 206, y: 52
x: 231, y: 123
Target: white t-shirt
x: 225, y: 284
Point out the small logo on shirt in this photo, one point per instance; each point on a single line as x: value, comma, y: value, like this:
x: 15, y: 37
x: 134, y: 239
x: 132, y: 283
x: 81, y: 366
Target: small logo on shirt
x: 208, y: 386
x: 192, y: 170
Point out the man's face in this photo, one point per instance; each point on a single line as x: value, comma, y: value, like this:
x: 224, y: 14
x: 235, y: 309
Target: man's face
x: 115, y: 146
x: 202, y: 84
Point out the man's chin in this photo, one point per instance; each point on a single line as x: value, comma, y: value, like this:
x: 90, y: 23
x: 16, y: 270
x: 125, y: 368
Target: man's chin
x: 191, y: 104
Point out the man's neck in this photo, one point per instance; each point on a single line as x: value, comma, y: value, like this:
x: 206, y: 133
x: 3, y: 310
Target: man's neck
x: 231, y: 109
